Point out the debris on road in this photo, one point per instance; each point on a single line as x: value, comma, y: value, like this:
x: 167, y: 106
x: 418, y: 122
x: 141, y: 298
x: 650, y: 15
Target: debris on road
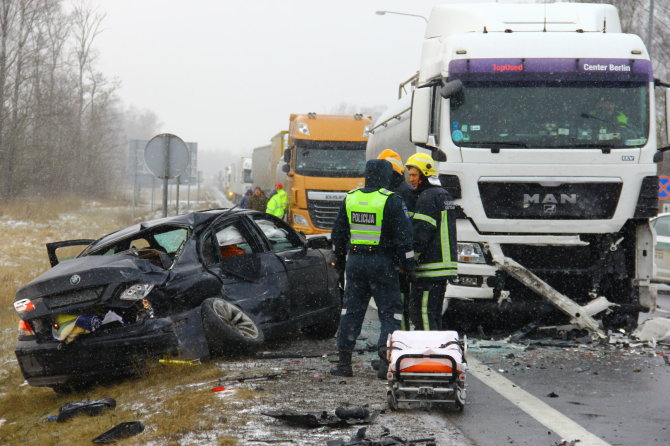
x: 654, y: 330
x: 385, y: 439
x: 342, y: 418
x: 120, y: 431
x: 88, y: 407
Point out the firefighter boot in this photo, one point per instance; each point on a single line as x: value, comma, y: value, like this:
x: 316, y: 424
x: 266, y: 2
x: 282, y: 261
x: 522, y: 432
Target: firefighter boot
x: 343, y: 367
x: 383, y: 363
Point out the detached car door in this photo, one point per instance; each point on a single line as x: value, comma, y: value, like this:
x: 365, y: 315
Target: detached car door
x: 252, y: 278
x: 306, y: 268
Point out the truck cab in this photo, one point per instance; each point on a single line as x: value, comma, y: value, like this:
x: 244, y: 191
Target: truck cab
x: 543, y: 119
x: 324, y: 159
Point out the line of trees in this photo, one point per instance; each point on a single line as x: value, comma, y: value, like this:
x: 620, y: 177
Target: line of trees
x: 60, y: 123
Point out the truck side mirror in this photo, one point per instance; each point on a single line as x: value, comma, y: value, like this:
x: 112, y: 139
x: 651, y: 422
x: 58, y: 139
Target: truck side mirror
x: 420, y: 119
x: 451, y: 89
x: 287, y: 155
x: 285, y: 168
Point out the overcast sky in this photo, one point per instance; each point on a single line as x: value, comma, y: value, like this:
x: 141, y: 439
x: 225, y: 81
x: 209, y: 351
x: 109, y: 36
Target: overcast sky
x: 227, y: 74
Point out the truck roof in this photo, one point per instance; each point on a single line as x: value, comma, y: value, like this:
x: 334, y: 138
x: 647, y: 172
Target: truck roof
x: 329, y: 127
x: 460, y: 18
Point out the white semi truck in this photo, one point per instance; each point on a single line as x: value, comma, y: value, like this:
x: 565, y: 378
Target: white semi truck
x: 238, y: 179
x: 542, y: 119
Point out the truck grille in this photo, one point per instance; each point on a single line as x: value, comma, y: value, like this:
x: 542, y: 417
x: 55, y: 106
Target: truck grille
x: 564, y: 201
x: 323, y: 212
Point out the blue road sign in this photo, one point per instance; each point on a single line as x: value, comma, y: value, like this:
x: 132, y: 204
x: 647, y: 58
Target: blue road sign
x: 664, y: 188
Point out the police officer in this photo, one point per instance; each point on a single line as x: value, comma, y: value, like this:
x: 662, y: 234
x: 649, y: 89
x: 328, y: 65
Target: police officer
x: 402, y: 188
x: 434, y: 243
x: 278, y: 203
x: 370, y: 232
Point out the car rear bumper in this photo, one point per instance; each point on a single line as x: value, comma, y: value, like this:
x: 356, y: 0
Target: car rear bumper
x: 115, y: 352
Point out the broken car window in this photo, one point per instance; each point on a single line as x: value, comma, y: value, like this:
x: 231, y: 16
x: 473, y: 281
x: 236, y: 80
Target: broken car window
x: 280, y: 238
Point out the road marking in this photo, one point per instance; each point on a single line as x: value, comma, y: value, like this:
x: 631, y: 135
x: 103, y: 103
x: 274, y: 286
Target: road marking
x: 563, y: 426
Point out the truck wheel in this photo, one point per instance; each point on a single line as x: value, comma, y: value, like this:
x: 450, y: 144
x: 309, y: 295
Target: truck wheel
x: 228, y: 329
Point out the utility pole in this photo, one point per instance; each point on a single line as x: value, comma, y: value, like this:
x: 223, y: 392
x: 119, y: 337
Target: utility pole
x: 650, y: 28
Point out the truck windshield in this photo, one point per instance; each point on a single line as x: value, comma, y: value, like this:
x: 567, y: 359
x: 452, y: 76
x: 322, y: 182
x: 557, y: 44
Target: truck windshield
x: 544, y: 103
x: 330, y: 158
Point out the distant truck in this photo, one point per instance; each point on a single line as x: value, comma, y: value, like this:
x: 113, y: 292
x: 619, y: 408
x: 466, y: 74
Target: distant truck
x: 324, y: 159
x: 545, y: 117
x: 267, y: 162
x: 238, y: 178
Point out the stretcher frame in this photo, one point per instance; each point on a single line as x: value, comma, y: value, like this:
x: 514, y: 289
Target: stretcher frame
x: 427, y: 389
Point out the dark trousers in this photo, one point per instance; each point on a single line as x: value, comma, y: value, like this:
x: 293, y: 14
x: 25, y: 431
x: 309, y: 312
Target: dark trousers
x: 404, y: 297
x: 369, y: 275
x: 425, y: 304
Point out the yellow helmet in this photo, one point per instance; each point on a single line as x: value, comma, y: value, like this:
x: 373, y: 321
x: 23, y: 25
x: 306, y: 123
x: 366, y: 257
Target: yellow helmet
x: 423, y: 162
x: 393, y: 158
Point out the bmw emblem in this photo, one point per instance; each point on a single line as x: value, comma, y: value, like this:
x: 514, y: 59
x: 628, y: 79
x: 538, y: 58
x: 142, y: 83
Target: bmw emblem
x: 74, y: 280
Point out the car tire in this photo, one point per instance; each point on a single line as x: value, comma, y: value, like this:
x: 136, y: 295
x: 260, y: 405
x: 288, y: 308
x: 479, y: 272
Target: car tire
x: 228, y: 329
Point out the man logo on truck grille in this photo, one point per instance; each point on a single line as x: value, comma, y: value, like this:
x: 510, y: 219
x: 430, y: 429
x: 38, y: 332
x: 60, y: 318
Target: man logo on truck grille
x: 364, y: 218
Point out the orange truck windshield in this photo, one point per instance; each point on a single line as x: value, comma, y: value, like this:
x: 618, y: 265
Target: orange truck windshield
x: 330, y: 158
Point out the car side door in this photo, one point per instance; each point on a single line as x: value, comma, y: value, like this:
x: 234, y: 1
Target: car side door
x: 251, y: 277
x: 306, y: 268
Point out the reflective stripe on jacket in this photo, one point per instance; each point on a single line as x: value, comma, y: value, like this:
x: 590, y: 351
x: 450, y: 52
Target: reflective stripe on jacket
x: 365, y: 213
x: 435, y: 235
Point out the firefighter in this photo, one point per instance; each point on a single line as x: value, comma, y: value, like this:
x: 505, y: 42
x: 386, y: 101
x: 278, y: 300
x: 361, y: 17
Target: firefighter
x: 402, y: 188
x: 434, y: 243
x: 278, y: 203
x: 370, y: 233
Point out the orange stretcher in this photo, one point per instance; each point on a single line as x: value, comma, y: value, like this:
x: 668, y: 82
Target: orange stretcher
x: 426, y: 368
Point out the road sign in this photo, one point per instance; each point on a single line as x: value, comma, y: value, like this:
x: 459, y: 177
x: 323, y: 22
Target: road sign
x: 166, y: 156
x: 663, y: 188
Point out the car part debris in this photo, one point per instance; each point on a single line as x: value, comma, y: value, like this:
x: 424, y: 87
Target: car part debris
x: 349, y: 417
x: 581, y: 316
x: 384, y: 440
x: 653, y: 330
x: 120, y: 431
x: 88, y: 407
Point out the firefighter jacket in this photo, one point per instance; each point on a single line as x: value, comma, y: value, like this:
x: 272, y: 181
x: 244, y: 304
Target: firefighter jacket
x: 375, y: 218
x: 435, y: 234
x: 277, y: 204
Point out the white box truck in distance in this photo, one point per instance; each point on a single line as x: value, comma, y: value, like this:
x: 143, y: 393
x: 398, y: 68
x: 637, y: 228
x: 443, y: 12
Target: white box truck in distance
x: 238, y: 178
x: 544, y: 114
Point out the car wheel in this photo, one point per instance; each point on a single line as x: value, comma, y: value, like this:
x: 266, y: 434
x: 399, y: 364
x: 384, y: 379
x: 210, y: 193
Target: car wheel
x: 228, y: 329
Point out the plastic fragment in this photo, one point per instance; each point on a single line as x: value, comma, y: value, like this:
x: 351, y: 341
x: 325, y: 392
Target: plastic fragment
x: 218, y: 389
x: 88, y: 407
x: 121, y: 430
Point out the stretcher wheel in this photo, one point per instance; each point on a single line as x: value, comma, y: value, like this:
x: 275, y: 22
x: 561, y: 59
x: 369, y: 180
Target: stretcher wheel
x: 391, y: 400
x: 460, y: 399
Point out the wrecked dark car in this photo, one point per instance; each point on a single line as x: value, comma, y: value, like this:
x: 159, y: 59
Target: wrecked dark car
x: 214, y: 282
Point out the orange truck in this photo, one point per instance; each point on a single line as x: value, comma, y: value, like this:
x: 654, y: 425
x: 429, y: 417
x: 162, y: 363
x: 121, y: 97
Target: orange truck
x: 324, y: 159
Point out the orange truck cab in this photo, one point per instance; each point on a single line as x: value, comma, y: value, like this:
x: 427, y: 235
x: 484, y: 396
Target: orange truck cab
x: 325, y: 158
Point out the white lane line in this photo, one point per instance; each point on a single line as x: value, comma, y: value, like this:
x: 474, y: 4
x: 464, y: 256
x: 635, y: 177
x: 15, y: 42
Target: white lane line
x: 563, y: 426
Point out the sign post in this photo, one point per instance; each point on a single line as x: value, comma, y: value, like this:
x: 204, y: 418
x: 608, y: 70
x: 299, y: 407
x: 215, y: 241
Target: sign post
x: 663, y: 188
x: 166, y: 156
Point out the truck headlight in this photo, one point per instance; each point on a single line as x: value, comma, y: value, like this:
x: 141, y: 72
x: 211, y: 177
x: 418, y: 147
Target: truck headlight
x: 136, y: 292
x: 300, y: 220
x: 470, y: 253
